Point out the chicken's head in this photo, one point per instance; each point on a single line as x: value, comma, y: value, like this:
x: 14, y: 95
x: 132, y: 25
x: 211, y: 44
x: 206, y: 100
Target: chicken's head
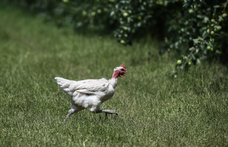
x: 120, y: 71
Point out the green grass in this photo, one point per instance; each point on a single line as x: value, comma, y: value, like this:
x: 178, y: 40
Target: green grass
x: 154, y: 110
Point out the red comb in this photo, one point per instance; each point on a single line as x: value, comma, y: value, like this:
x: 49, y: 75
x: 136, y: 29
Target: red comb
x: 123, y: 67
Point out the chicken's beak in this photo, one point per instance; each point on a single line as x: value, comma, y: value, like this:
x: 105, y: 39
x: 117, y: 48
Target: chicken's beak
x: 125, y: 72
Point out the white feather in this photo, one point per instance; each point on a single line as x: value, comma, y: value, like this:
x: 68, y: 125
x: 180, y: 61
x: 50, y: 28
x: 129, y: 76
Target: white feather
x: 86, y: 93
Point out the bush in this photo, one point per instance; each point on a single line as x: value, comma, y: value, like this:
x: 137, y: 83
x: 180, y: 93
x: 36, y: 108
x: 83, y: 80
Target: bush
x: 194, y: 27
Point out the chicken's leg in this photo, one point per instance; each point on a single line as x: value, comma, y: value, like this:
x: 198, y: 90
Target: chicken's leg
x: 107, y: 112
x: 72, y: 110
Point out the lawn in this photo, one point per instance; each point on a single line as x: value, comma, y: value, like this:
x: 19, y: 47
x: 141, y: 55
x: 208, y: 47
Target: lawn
x: 154, y: 109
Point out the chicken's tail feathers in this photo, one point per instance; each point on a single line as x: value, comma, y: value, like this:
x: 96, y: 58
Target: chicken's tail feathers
x: 64, y: 84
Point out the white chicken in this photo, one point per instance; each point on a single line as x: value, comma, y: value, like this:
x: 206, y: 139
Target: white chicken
x: 91, y: 93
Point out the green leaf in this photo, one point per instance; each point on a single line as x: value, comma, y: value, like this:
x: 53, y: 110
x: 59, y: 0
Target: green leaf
x: 112, y: 13
x: 204, y: 33
x: 193, y: 57
x: 206, y: 19
x: 139, y: 24
x: 209, y: 43
x: 216, y: 6
x: 220, y: 18
x: 196, y: 41
x: 190, y: 49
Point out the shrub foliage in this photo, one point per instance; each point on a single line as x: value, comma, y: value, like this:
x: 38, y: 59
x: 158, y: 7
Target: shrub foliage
x: 196, y: 28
